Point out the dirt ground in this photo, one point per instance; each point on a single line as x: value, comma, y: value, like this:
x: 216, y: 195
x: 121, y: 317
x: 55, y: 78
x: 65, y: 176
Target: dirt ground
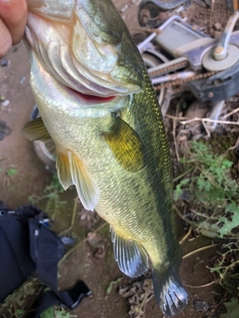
x: 23, y: 174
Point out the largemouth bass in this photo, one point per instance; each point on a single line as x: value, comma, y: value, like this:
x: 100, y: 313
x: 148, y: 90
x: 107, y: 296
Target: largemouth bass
x: 98, y: 105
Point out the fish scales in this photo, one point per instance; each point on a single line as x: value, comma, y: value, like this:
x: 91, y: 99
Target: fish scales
x: 109, y: 135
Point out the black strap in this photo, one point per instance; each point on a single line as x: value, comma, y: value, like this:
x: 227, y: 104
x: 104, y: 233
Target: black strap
x: 16, y: 264
x: 46, y: 250
x: 69, y: 299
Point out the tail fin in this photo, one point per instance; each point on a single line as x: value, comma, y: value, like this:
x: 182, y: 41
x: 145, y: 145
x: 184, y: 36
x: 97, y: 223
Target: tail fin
x: 169, y: 291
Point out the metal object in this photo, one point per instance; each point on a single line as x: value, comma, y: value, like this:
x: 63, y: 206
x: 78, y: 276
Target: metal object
x: 228, y: 61
x: 173, y: 77
x: 221, y: 51
x: 171, y: 66
x: 161, y: 5
x: 220, y: 86
x: 213, y: 86
x: 215, y: 113
x: 177, y: 35
x: 184, y: 81
x: 194, y: 52
x: 215, y: 63
x: 152, y: 13
x: 143, y: 45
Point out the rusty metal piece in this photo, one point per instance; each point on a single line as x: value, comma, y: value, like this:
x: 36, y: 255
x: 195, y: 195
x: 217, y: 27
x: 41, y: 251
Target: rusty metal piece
x: 168, y: 69
x: 180, y: 82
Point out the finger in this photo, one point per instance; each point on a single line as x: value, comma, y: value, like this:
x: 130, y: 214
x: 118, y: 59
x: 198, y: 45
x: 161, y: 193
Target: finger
x: 5, y: 39
x: 14, y: 15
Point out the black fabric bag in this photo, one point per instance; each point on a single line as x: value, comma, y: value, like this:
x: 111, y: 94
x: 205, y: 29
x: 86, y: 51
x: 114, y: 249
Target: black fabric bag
x: 27, y: 244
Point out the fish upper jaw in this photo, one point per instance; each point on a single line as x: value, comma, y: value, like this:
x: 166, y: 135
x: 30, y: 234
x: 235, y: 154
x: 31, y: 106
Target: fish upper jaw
x: 82, y: 51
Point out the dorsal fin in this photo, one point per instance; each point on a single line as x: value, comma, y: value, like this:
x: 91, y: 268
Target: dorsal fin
x: 131, y: 257
x: 36, y: 130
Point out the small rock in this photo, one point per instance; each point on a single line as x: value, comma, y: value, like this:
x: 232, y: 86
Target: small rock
x: 4, y: 62
x: 2, y: 98
x: 217, y: 26
x: 201, y: 305
x: 200, y: 3
x: 67, y: 240
x: 6, y: 103
x: 95, y: 239
x: 217, y: 34
x: 125, y: 7
x: 22, y: 80
x: 196, y: 110
x: 211, y: 31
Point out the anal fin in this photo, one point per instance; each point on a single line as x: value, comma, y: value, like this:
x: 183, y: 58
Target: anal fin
x: 36, y: 130
x: 131, y: 257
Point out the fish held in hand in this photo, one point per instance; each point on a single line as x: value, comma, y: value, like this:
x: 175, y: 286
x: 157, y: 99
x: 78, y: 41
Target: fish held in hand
x: 99, y: 107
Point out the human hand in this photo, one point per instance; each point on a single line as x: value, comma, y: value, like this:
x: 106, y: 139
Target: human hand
x: 13, y: 17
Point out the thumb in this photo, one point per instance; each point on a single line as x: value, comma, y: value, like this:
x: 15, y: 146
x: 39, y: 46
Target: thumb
x: 14, y: 15
x: 5, y: 39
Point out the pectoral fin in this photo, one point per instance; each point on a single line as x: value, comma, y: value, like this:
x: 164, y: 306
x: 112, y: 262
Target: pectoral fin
x: 126, y: 145
x: 86, y: 187
x: 131, y: 257
x: 36, y: 130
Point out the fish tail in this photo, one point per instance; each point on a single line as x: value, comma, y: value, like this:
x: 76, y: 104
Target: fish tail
x: 169, y: 291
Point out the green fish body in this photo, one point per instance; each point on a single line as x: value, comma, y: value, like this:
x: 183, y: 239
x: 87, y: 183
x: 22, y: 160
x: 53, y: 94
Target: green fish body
x: 110, y: 139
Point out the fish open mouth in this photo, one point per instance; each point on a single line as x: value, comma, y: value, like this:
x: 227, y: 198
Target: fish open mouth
x: 93, y: 98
